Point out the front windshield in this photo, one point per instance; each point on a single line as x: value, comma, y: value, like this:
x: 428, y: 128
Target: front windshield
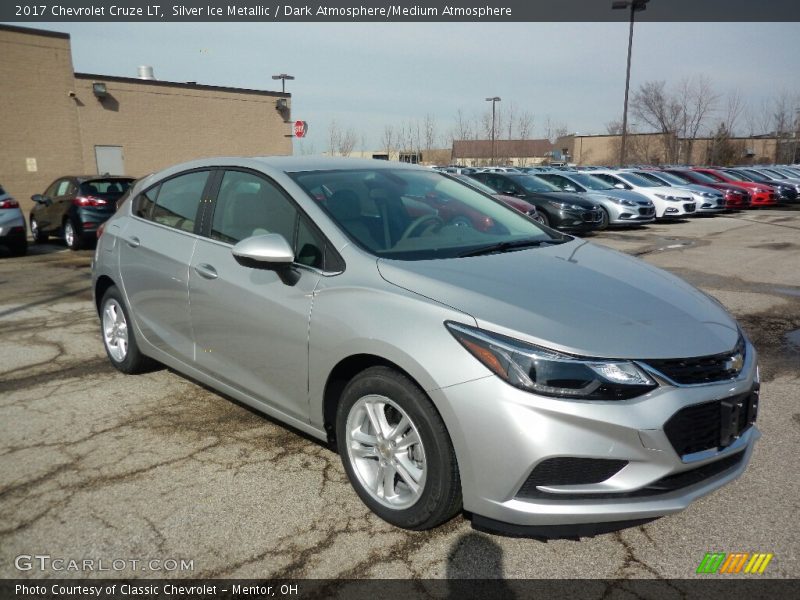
x: 411, y: 214
x: 637, y: 180
x: 476, y: 184
x: 652, y: 178
x: 532, y: 183
x: 668, y: 177
x: 713, y: 176
x: 590, y: 182
x: 702, y: 177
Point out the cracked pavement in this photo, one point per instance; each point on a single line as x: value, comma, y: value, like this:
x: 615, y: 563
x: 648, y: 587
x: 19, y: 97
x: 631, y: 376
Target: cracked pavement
x: 95, y: 464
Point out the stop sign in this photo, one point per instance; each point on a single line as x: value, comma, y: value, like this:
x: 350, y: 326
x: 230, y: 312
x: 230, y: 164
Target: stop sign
x: 300, y: 128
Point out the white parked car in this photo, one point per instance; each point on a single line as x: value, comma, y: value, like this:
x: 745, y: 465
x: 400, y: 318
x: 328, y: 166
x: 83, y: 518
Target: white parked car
x: 670, y: 203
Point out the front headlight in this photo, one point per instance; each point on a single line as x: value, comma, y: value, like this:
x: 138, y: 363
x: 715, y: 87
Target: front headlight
x: 667, y: 197
x: 622, y: 201
x: 550, y: 373
x: 708, y: 195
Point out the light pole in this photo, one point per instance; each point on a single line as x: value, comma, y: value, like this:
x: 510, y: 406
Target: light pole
x: 493, y: 100
x: 283, y: 77
x: 635, y: 6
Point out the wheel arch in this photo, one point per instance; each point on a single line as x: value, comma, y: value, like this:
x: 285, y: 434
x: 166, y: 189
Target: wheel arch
x: 344, y: 371
x: 104, y: 282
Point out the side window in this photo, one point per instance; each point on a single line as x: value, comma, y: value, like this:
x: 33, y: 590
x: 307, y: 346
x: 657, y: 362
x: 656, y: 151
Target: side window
x: 309, y: 249
x: 249, y: 205
x: 178, y: 200
x: 556, y: 180
x: 63, y: 188
x: 51, y: 191
x: 143, y: 203
x: 607, y: 178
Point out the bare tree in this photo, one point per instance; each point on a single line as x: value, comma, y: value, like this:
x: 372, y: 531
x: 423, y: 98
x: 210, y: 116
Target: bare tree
x: 388, y: 140
x: 553, y: 131
x: 734, y: 108
x: 429, y: 127
x: 334, y: 137
x: 347, y: 142
x: 660, y: 111
x: 462, y: 129
x: 696, y: 99
x: 525, y: 125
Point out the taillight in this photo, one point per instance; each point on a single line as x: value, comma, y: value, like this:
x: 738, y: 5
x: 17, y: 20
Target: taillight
x: 9, y: 203
x: 100, y: 230
x: 89, y: 201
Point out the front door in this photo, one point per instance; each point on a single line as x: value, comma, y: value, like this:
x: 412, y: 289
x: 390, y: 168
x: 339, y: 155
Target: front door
x: 251, y: 327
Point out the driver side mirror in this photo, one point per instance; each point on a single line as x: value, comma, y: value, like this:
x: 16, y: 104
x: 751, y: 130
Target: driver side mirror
x: 570, y: 188
x: 39, y: 199
x: 267, y: 252
x: 270, y: 251
x: 620, y: 186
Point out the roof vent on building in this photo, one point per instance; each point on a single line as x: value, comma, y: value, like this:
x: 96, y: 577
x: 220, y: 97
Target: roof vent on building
x: 146, y: 72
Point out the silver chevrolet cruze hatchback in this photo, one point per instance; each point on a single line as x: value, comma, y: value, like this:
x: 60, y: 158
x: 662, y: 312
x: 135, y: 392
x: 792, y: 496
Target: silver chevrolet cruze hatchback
x: 457, y: 353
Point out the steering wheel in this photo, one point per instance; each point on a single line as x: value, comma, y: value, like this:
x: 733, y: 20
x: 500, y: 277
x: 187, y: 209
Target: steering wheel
x: 418, y: 222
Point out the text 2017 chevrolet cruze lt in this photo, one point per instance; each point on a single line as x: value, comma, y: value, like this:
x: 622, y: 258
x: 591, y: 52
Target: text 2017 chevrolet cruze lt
x: 537, y: 381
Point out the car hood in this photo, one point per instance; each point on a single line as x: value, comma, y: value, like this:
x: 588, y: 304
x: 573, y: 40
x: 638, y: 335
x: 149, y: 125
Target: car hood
x: 699, y: 189
x: 666, y: 190
x: 571, y: 197
x: 575, y: 297
x: 621, y: 194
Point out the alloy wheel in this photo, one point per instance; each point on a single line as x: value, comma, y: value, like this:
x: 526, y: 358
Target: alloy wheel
x: 115, y: 330
x: 386, y: 452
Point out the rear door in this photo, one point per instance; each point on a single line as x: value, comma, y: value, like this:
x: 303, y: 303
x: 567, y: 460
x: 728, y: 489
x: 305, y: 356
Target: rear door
x: 156, y: 249
x: 250, y: 326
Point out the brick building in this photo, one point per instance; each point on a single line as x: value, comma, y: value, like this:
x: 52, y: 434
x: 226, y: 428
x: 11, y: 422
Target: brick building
x: 55, y: 122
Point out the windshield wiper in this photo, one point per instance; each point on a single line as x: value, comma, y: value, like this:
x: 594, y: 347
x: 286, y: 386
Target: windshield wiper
x: 506, y: 246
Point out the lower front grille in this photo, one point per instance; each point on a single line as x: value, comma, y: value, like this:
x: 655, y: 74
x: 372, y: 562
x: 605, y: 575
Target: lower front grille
x: 567, y: 470
x: 689, y: 207
x: 712, y: 425
x: 667, y: 484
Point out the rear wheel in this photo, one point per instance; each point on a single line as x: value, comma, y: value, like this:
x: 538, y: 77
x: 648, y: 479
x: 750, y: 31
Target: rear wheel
x: 118, y: 336
x: 38, y: 235
x: 396, y: 450
x: 71, y: 236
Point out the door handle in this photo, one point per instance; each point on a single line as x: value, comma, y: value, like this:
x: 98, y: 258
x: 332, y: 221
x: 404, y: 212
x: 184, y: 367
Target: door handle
x: 206, y: 271
x: 133, y: 242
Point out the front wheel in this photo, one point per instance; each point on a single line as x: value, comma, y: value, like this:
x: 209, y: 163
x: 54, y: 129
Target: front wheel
x: 543, y: 219
x: 38, y: 235
x: 118, y: 336
x: 396, y: 450
x: 604, y: 219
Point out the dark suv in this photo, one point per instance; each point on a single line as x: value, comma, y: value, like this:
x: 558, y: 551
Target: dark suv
x: 73, y: 207
x: 556, y: 208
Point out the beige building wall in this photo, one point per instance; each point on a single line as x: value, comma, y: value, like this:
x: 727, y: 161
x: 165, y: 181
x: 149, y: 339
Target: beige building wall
x: 159, y: 124
x: 38, y: 121
x: 50, y: 114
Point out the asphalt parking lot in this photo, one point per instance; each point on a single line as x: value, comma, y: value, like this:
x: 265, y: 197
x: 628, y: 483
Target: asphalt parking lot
x: 98, y: 465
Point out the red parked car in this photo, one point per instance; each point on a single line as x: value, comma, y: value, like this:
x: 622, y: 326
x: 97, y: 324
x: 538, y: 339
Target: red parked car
x: 760, y: 194
x: 736, y: 197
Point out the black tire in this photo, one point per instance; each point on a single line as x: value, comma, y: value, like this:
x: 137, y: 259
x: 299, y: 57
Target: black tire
x: 72, y: 237
x: 19, y: 248
x: 604, y: 219
x: 439, y: 498
x: 38, y: 235
x: 133, y: 361
x: 544, y: 219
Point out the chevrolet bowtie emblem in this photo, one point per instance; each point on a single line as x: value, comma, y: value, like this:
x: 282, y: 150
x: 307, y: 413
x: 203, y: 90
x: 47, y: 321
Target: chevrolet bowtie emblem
x: 735, y: 363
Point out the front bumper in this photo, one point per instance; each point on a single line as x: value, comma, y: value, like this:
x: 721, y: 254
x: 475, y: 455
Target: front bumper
x: 501, y: 434
x: 622, y: 214
x: 578, y: 220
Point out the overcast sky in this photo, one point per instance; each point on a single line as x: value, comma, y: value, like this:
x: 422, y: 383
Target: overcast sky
x: 367, y: 75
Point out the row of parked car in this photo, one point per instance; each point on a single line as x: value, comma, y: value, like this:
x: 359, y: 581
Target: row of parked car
x: 586, y: 198
x: 572, y: 199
